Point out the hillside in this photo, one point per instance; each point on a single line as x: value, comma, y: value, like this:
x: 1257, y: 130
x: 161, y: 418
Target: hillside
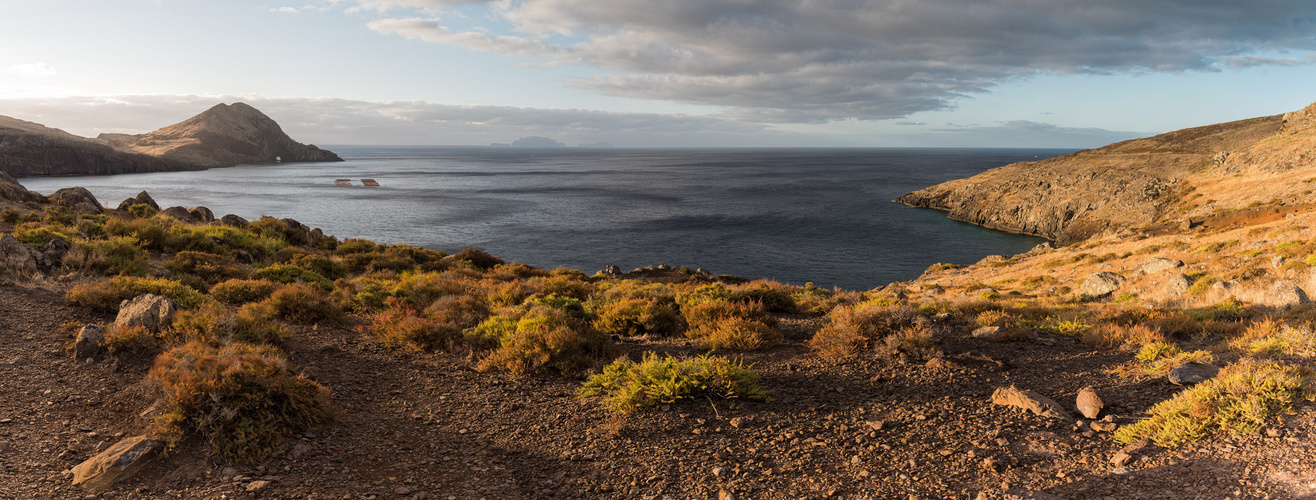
x: 1164, y: 179
x: 223, y: 135
x: 28, y: 149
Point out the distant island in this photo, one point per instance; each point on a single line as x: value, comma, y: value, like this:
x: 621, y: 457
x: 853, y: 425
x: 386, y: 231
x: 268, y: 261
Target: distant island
x: 533, y: 141
x: 222, y: 136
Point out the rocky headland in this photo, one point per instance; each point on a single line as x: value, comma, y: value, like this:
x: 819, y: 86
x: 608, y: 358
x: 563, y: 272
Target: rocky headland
x: 225, y: 135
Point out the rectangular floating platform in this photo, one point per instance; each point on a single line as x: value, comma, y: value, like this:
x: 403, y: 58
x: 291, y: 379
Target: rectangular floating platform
x: 342, y: 182
x: 369, y: 182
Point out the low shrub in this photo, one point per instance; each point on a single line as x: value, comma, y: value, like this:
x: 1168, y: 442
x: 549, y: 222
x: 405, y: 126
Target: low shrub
x: 548, y: 338
x: 106, y: 295
x: 243, y: 398
x: 1273, y: 338
x: 1158, y: 358
x: 1111, y: 336
x: 475, y: 257
x: 209, y: 267
x: 625, y: 386
x: 775, y: 297
x: 1239, y: 400
x: 242, y: 291
x: 40, y: 235
x: 298, y: 303
x: 116, y: 255
x: 637, y: 316
x: 289, y: 273
x: 399, y: 324
x: 214, y: 324
x: 851, y: 329
x: 737, y: 334
x: 564, y: 285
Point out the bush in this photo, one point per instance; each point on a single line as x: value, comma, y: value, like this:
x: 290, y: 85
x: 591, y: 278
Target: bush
x: 142, y: 210
x: 774, y: 296
x: 269, y: 227
x: 242, y: 397
x: 625, y: 386
x: 240, y: 291
x: 1273, y: 338
x: 564, y: 285
x: 546, y: 337
x: 209, y: 267
x: 1239, y: 400
x: 629, y: 317
x: 399, y: 324
x: 106, y: 295
x: 1112, y: 336
x: 10, y: 215
x: 40, y: 235
x: 288, y: 273
x: 298, y: 303
x: 112, y: 256
x: 852, y: 329
x: 738, y: 334
x: 215, y: 324
x: 475, y: 257
x: 1158, y: 358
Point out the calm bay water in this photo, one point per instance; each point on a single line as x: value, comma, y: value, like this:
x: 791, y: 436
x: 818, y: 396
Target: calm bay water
x: 795, y: 215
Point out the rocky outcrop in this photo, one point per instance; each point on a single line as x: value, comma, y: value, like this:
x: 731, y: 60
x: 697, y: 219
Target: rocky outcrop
x: 150, y: 311
x: 28, y: 149
x: 77, y: 199
x: 11, y: 190
x: 1073, y: 197
x: 141, y: 199
x: 1284, y: 295
x: 1100, y: 284
x: 1159, y: 264
x: 223, y: 135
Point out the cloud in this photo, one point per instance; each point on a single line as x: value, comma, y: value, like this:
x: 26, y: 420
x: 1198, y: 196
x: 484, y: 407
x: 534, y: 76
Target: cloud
x: 791, y: 61
x: 285, y: 10
x: 32, y: 69
x: 342, y: 121
x: 1022, y: 132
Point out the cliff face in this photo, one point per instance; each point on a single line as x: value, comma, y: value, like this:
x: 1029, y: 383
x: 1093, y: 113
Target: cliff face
x: 1123, y: 185
x: 224, y: 135
x: 28, y: 149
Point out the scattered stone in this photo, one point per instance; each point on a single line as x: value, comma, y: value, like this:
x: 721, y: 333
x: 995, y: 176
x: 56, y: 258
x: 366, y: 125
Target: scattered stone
x: 120, y: 461
x: 256, y: 486
x: 401, y: 491
x: 875, y: 424
x: 151, y: 311
x: 1224, y: 287
x: 202, y: 214
x: 88, y: 343
x: 1277, y: 261
x: 1192, y: 374
x: 725, y: 495
x: 1284, y: 295
x: 940, y: 363
x: 233, y: 220
x: 1158, y: 264
x: 1274, y: 432
x: 986, y: 332
x: 718, y: 471
x: 1029, y: 400
x: 1103, y: 426
x: 1010, y: 494
x: 1088, y: 403
x: 77, y: 199
x: 1177, y: 285
x: 229, y: 473
x: 141, y: 199
x: 1100, y: 284
x: 179, y: 213
x: 738, y: 422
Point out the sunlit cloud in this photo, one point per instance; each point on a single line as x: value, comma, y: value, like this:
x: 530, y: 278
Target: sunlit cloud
x: 32, y: 69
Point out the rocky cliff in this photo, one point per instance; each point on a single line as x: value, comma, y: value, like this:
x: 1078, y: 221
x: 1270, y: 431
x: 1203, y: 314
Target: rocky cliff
x: 1123, y: 185
x: 28, y: 149
x: 224, y: 135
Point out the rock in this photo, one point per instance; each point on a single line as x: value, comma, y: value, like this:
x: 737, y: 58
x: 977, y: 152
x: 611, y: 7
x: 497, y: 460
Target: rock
x: 1284, y: 295
x: 1122, y: 457
x: 88, y: 343
x: 1276, y: 261
x: 986, y: 332
x: 256, y: 486
x: 1088, y: 403
x: 1013, y: 494
x: 738, y: 422
x: 11, y: 190
x: 1103, y: 426
x: 120, y: 461
x: 1158, y: 264
x: 1100, y: 284
x: 179, y: 213
x: 1192, y: 374
x: 77, y: 199
x: 53, y: 252
x: 725, y: 495
x: 202, y: 214
x: 940, y: 363
x: 1224, y: 287
x: 141, y: 199
x: 17, y: 259
x: 1029, y: 400
x: 1177, y: 285
x: 149, y: 310
x: 233, y: 220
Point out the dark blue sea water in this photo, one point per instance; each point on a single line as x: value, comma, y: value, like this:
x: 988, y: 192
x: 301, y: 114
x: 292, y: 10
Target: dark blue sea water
x: 795, y: 215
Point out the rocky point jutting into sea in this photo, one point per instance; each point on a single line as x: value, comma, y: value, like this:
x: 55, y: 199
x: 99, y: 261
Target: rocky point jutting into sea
x: 1164, y: 354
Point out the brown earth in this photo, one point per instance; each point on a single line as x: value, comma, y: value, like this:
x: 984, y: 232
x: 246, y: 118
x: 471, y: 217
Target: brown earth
x: 427, y: 426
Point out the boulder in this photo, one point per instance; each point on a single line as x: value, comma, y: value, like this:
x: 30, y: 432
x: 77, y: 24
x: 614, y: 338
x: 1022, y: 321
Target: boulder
x: 16, y: 258
x: 1100, y: 284
x: 88, y: 344
x: 202, y: 214
x: 1284, y: 295
x: 1158, y: 264
x: 1088, y: 403
x: 116, y: 463
x: 233, y: 220
x: 179, y: 213
x: 1177, y: 285
x: 1192, y: 374
x: 77, y: 199
x: 986, y: 332
x: 141, y: 198
x: 53, y: 252
x: 11, y: 190
x: 1029, y: 400
x: 1224, y: 287
x: 148, y: 310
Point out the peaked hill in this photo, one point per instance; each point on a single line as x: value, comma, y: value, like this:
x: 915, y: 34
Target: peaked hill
x: 1181, y: 177
x: 223, y: 135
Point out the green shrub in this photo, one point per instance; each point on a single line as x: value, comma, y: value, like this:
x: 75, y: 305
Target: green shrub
x: 214, y: 324
x: 548, y: 338
x: 40, y: 235
x: 10, y: 215
x: 478, y: 258
x: 1156, y: 359
x: 298, y: 303
x: 240, y: 291
x: 775, y: 297
x: 269, y: 227
x: 625, y: 386
x: 209, y: 267
x: 243, y: 398
x: 288, y: 273
x: 106, y: 295
x: 737, y: 334
x: 113, y: 256
x: 1239, y: 400
x: 638, y: 316
x: 142, y: 210
x: 399, y: 324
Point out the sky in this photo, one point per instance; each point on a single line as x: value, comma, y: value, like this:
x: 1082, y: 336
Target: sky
x: 669, y: 73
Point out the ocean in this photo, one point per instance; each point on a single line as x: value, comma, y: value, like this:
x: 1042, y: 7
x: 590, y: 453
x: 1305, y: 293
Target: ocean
x: 795, y: 215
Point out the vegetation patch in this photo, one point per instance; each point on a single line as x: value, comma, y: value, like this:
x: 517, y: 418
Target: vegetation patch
x: 107, y: 294
x: 625, y: 386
